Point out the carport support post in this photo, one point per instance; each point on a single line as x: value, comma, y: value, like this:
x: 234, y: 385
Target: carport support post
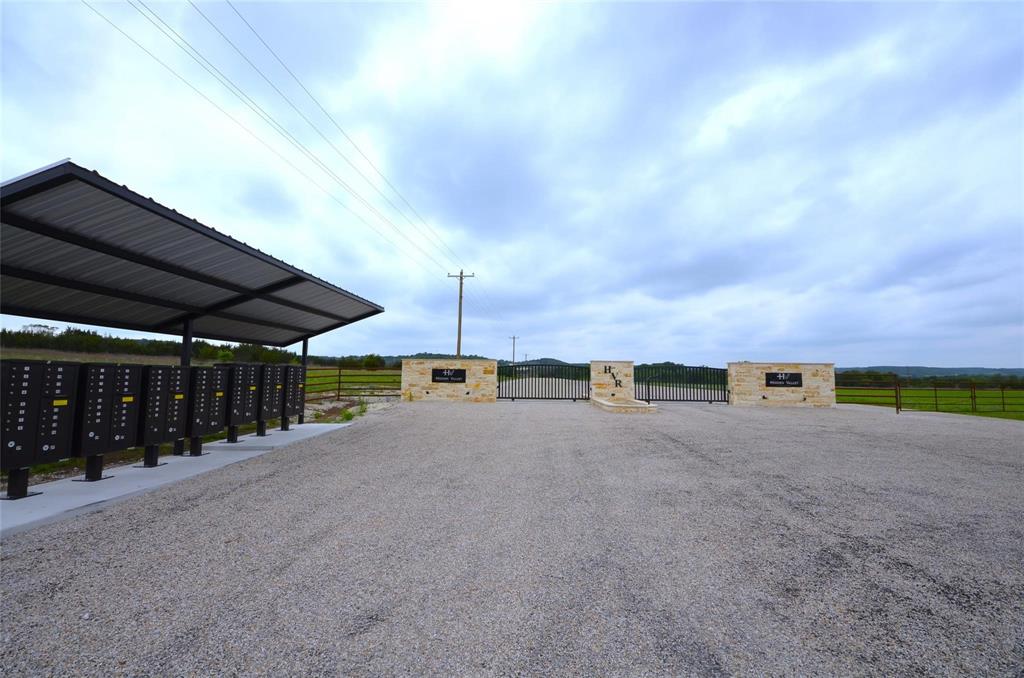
x: 305, y: 356
x: 186, y: 362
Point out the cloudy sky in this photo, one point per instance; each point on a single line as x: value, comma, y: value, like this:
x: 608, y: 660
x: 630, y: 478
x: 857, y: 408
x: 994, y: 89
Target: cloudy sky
x: 696, y: 182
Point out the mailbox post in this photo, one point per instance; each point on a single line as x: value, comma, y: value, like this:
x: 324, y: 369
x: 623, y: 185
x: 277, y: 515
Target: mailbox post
x: 242, y: 398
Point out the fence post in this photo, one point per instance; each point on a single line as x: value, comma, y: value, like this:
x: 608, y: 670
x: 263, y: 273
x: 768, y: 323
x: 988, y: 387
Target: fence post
x: 899, y: 396
x: 974, y: 398
x: 338, y: 397
x: 1002, y: 393
x: 935, y: 388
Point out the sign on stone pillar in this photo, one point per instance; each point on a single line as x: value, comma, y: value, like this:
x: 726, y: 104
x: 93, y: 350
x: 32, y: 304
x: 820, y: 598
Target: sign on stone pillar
x: 612, y: 380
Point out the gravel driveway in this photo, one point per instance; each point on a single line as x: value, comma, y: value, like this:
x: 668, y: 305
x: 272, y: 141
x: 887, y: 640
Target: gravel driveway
x: 551, y: 538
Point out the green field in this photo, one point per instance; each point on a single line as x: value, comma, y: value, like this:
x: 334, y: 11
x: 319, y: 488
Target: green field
x: 1008, y: 404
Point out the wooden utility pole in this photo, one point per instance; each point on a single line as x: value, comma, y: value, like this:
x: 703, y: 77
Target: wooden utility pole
x: 461, y: 276
x: 513, y: 349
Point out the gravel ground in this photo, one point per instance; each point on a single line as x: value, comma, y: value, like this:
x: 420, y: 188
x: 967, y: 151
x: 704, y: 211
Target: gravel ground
x: 551, y: 538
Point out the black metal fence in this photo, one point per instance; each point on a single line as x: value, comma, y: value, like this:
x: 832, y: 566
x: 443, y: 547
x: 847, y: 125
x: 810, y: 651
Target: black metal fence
x: 544, y: 382
x: 681, y: 383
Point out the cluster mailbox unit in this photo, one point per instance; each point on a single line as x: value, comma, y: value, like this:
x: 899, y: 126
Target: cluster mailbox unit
x: 271, y: 396
x: 207, y: 405
x: 107, y: 418
x: 54, y: 410
x: 294, y: 394
x: 243, y: 381
x: 38, y: 417
x: 164, y: 397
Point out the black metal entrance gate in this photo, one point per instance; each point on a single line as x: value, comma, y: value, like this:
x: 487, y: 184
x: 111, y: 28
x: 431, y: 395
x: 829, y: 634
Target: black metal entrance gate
x: 681, y: 383
x: 544, y: 382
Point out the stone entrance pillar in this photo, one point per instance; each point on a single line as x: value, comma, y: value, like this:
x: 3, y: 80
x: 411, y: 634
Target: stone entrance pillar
x: 612, y: 389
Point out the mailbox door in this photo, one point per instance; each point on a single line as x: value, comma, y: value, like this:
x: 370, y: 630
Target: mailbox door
x: 251, y: 391
x: 124, y: 407
x: 266, y: 399
x: 22, y: 389
x: 278, y: 390
x: 198, y: 405
x: 236, y: 394
x: 294, y: 389
x: 57, y: 411
x: 217, y: 411
x: 154, y: 404
x: 92, y: 425
x: 177, y: 403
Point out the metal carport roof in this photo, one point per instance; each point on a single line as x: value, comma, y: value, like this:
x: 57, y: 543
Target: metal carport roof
x: 77, y: 247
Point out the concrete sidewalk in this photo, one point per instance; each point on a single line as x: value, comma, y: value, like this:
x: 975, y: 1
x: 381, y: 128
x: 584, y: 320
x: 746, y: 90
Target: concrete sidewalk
x: 64, y: 498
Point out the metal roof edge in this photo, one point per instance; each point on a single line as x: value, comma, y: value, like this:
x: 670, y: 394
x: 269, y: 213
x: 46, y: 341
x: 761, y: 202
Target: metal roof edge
x: 44, y: 168
x: 66, y: 170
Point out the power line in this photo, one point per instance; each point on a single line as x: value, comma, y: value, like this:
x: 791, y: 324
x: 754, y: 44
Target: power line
x: 340, y: 129
x: 266, y: 117
x: 295, y: 108
x: 241, y: 125
x: 239, y: 93
x: 338, y: 126
x: 483, y: 303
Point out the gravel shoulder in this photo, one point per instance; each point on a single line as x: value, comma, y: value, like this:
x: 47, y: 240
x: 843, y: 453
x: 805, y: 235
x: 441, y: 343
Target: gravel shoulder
x: 551, y: 537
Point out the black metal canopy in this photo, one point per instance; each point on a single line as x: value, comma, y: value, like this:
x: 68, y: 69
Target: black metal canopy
x: 76, y: 247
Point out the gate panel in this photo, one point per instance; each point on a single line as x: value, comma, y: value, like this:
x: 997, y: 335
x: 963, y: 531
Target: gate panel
x: 544, y: 382
x: 681, y: 383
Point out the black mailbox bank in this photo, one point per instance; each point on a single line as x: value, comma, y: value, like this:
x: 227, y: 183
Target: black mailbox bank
x: 294, y: 394
x: 164, y: 400
x: 271, y: 396
x: 107, y: 415
x: 207, y: 405
x: 38, y: 417
x: 243, y: 380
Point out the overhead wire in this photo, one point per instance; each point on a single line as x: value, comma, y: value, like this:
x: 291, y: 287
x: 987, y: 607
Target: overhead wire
x: 240, y: 124
x: 342, y: 131
x: 183, y: 44
x: 295, y: 108
x: 470, y: 295
x: 252, y: 105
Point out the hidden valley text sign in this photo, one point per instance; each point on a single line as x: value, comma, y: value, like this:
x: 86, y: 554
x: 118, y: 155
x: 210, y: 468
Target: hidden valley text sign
x: 448, y: 376
x: 784, y: 379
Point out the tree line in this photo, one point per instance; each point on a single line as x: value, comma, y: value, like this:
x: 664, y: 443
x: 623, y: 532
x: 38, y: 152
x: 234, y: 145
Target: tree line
x: 88, y: 341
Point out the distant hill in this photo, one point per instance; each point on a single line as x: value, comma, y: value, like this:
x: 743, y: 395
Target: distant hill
x: 389, y: 359
x: 921, y: 371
